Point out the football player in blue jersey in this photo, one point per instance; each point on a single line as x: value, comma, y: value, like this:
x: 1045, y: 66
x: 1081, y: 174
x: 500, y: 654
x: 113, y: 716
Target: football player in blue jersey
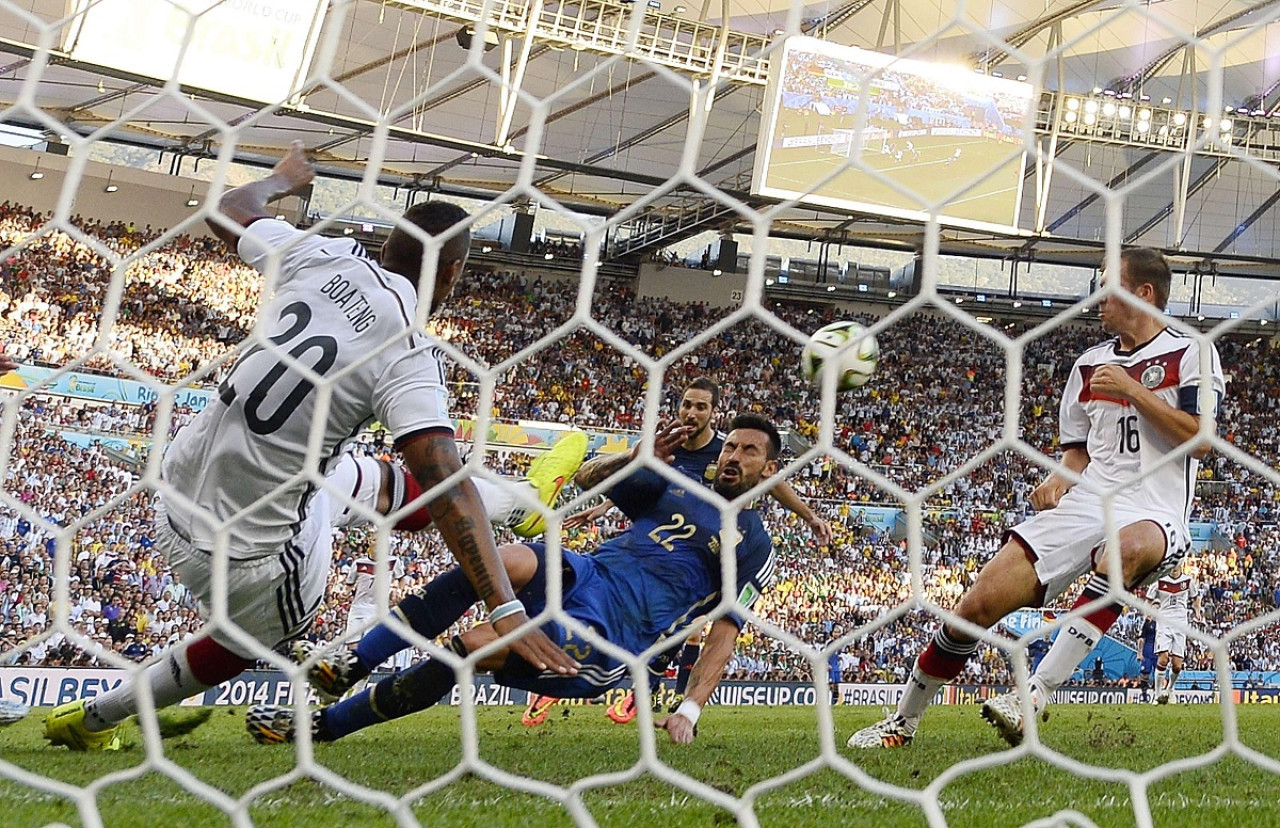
x: 695, y: 457
x: 638, y: 589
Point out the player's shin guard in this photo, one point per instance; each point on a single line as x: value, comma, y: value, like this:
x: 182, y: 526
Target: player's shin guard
x: 408, y: 691
x: 1076, y: 640
x: 429, y: 612
x: 940, y: 662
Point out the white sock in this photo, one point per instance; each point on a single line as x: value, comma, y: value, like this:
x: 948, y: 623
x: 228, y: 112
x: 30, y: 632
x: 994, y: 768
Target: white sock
x: 1159, y: 681
x: 170, y: 679
x: 919, y: 693
x: 1072, y: 645
x: 499, y: 498
x: 1173, y: 679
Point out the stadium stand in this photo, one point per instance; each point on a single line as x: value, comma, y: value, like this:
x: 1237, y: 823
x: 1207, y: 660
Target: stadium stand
x: 920, y: 419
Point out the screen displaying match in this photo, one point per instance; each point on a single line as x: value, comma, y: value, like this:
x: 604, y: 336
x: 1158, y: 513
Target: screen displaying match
x: 927, y: 130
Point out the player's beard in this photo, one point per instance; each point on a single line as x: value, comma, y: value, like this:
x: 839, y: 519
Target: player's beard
x: 730, y: 490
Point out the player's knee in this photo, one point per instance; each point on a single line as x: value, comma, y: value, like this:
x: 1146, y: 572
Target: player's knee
x: 980, y: 607
x: 520, y: 562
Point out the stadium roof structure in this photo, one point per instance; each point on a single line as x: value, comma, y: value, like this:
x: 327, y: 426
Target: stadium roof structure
x: 615, y: 128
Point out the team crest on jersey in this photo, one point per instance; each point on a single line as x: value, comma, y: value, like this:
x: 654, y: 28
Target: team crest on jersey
x: 714, y: 545
x: 1152, y: 376
x: 710, y: 473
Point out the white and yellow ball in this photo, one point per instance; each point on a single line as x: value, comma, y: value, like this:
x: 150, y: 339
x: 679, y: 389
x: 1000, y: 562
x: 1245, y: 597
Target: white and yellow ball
x: 854, y: 365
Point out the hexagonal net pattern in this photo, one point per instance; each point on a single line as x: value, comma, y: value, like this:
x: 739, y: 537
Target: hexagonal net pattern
x: 291, y: 359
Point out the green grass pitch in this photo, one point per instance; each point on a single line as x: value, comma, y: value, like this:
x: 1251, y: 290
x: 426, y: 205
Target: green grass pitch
x: 736, y: 748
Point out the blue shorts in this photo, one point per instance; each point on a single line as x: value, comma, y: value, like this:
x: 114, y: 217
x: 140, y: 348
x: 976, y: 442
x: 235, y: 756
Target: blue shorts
x: 1148, y: 653
x: 586, y: 599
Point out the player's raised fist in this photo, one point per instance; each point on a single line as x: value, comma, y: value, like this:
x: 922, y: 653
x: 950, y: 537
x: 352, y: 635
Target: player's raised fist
x: 295, y: 170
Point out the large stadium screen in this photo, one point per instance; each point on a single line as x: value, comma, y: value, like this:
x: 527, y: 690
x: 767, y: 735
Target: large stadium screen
x: 258, y: 50
x: 928, y: 130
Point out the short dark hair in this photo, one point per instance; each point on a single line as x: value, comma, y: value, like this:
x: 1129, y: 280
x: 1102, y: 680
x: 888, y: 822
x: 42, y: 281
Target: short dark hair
x: 1147, y: 266
x: 755, y: 422
x: 402, y: 251
x: 709, y: 385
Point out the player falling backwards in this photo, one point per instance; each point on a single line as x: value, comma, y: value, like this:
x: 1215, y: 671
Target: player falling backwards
x: 236, y: 489
x: 696, y: 458
x: 1174, y: 594
x: 637, y: 590
x: 1128, y: 403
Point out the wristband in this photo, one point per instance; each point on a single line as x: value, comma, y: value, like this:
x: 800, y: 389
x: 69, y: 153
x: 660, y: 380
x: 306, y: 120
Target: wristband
x: 505, y: 611
x: 690, y: 709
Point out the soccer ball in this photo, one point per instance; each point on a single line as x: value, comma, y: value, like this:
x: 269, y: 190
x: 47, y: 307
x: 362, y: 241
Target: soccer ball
x: 856, y: 363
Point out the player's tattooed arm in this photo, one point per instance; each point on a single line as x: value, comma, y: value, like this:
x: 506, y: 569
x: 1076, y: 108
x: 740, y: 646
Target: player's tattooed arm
x: 669, y: 437
x: 459, y: 515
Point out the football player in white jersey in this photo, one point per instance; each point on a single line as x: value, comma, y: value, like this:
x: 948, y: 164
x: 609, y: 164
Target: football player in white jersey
x: 1175, y: 594
x: 1127, y: 404
x: 240, y: 491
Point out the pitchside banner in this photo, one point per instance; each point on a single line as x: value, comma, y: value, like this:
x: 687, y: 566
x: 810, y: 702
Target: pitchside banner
x: 50, y: 686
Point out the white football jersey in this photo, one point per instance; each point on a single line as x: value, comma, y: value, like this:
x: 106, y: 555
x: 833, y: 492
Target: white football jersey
x: 361, y: 574
x: 1174, y: 597
x: 1120, y: 442
x: 333, y: 308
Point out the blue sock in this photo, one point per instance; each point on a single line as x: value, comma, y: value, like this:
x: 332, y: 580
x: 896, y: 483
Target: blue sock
x: 429, y: 611
x: 408, y: 691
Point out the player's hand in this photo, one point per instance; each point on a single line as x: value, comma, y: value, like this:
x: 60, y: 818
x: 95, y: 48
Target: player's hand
x: 1050, y: 492
x: 680, y: 729
x: 671, y: 435
x: 535, y: 648
x: 7, y: 363
x: 1114, y: 381
x: 294, y: 170
x: 821, y: 531
x: 587, y: 516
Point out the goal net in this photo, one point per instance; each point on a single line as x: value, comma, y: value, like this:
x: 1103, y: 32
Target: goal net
x: 653, y: 193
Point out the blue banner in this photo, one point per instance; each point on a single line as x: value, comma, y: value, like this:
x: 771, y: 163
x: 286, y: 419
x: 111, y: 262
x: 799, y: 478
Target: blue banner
x: 97, y: 387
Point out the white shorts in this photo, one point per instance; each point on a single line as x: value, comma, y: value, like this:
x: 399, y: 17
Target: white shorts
x: 358, y: 479
x: 358, y: 619
x: 1067, y: 541
x: 1170, y: 640
x: 272, y: 599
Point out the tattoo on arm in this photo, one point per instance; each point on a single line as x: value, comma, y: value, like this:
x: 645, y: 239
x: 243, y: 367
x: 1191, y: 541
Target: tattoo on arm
x: 598, y: 468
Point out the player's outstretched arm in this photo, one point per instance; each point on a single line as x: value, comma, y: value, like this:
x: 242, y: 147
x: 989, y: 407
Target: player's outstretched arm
x: 717, y: 649
x: 245, y: 204
x: 461, y: 520
x: 792, y: 502
x: 588, y: 516
x: 670, y: 436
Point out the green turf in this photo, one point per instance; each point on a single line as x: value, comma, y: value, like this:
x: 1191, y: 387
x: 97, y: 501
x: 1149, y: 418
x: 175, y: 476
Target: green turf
x: 737, y: 748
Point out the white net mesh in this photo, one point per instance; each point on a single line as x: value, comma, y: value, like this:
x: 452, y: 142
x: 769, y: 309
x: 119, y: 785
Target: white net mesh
x: 628, y: 130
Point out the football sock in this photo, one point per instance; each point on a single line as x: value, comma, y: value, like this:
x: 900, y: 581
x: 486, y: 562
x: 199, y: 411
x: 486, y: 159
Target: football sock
x: 408, y: 691
x: 191, y: 667
x: 688, y: 657
x: 1077, y: 639
x: 429, y: 611
x: 498, y: 497
x: 1173, y: 679
x: 940, y: 662
x: 1159, y: 685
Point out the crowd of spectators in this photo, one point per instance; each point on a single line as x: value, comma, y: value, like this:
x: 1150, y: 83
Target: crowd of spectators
x: 187, y: 302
